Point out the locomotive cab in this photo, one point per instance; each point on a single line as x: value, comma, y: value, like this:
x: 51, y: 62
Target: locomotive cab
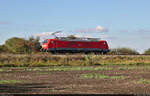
x: 44, y: 45
x: 105, y: 47
x: 48, y: 45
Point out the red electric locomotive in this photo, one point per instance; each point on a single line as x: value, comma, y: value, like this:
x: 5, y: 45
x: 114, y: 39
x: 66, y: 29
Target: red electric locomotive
x: 86, y: 45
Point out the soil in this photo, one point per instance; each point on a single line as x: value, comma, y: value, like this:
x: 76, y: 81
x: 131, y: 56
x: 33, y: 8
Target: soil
x: 71, y: 82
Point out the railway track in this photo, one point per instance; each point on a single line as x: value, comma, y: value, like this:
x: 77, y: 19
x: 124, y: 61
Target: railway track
x: 62, y: 55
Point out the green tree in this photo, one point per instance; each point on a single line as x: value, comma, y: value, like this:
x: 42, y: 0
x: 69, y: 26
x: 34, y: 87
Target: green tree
x: 17, y: 45
x: 147, y: 52
x: 20, y: 45
x: 123, y: 51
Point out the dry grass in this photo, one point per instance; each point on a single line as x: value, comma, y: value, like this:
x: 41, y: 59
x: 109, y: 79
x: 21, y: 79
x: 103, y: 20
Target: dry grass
x: 40, y: 60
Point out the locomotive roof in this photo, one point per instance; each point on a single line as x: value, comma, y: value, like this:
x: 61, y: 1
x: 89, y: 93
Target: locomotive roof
x: 78, y: 39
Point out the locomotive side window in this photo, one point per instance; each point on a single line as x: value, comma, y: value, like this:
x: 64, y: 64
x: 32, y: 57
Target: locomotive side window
x: 45, y: 41
x: 52, y: 41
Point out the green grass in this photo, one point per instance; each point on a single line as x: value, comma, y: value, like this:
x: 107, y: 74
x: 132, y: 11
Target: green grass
x: 69, y: 68
x: 114, y: 77
x: 1, y: 70
x: 56, y: 68
x: 10, y: 81
x: 73, y: 68
x: 42, y: 73
x: 133, y: 67
x: 143, y: 81
x: 90, y: 76
x: 78, y: 68
x: 128, y: 68
x: 5, y: 70
x: 97, y: 76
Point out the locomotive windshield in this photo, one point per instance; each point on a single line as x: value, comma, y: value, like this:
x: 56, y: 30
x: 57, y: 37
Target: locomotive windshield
x: 45, y: 41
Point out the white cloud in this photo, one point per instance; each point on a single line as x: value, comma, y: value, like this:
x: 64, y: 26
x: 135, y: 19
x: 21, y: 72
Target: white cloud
x: 81, y: 35
x: 89, y: 30
x: 99, y: 28
x: 43, y: 34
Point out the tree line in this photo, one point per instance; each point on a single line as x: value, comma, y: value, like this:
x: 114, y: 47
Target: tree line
x: 32, y: 45
x: 21, y: 46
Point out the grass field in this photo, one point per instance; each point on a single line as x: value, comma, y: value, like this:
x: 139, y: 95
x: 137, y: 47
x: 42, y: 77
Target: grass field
x: 45, y: 60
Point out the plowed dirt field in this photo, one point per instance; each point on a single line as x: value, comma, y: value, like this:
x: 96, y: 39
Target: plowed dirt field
x: 76, y: 80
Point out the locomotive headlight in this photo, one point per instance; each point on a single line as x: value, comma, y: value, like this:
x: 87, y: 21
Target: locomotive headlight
x: 44, y: 45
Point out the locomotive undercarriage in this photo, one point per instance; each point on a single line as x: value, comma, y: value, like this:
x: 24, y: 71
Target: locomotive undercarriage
x: 76, y: 50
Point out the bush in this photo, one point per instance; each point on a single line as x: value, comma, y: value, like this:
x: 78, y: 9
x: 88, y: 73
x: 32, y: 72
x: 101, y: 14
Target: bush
x: 34, y: 44
x: 2, y: 48
x: 147, y: 52
x: 123, y: 51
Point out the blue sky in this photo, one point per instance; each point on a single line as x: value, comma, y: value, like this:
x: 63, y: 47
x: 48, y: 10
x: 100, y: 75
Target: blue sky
x: 127, y: 21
